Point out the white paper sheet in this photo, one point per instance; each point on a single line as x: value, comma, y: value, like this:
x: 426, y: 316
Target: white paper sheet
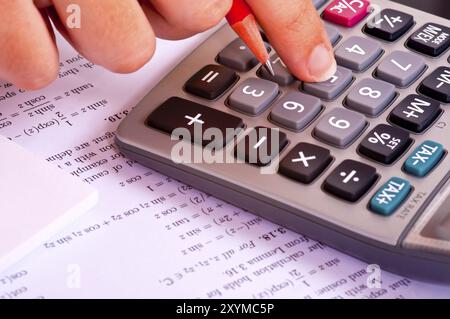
x: 151, y: 236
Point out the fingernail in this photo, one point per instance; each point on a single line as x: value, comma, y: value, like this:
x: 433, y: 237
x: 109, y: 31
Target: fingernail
x: 321, y: 63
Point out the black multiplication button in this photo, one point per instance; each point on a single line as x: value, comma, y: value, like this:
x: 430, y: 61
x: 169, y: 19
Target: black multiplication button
x: 415, y: 113
x: 350, y: 180
x: 437, y: 84
x: 431, y: 39
x: 385, y: 143
x: 211, y: 81
x: 177, y: 113
x: 305, y: 162
x: 389, y: 24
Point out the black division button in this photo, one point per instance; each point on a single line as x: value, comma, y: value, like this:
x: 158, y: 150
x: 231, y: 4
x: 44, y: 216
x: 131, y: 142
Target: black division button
x: 431, y: 39
x: 437, y: 84
x: 211, y: 81
x: 350, y: 180
x: 415, y: 113
x: 389, y: 24
x: 385, y: 143
x: 305, y: 162
x: 178, y: 113
x: 261, y: 145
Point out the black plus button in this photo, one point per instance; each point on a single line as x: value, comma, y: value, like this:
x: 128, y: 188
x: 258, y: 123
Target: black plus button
x: 431, y: 39
x: 385, y: 143
x: 415, y: 113
x: 178, y: 113
x: 261, y: 145
x: 389, y: 24
x: 305, y: 162
x: 211, y: 81
x: 350, y: 180
x: 437, y: 85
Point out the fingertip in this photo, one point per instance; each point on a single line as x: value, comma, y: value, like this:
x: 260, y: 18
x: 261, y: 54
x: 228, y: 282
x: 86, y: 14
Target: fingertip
x: 130, y: 58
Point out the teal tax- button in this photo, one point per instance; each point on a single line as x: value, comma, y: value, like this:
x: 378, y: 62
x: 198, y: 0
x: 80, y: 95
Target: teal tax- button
x: 424, y: 158
x: 390, y: 196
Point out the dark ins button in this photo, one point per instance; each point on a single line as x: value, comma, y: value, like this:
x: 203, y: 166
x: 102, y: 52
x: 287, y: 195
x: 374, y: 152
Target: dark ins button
x: 389, y: 24
x: 211, y: 81
x: 350, y: 180
x: 415, y: 113
x: 305, y: 162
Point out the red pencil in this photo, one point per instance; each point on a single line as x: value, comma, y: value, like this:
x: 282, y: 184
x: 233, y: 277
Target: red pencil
x: 244, y: 24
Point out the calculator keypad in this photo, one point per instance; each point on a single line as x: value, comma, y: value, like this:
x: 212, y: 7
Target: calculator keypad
x: 295, y: 105
x: 350, y: 180
x: 385, y: 143
x: 253, y: 96
x: 415, y: 113
x: 305, y: 162
x: 331, y: 88
x: 389, y: 24
x: 357, y: 53
x: 296, y: 110
x: 211, y: 81
x: 431, y: 39
x: 340, y: 127
x: 400, y: 68
x: 370, y: 96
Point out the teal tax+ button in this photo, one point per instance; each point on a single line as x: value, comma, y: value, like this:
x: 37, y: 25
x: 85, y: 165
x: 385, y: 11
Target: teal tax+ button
x: 424, y: 158
x: 390, y: 196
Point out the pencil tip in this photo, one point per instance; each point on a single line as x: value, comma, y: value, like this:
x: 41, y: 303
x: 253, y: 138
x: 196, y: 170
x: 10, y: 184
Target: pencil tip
x: 269, y: 67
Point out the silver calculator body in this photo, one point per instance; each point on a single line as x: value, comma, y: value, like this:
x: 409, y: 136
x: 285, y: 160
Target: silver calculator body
x: 413, y: 241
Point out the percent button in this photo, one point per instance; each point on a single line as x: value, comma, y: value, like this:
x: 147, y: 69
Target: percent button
x: 385, y: 144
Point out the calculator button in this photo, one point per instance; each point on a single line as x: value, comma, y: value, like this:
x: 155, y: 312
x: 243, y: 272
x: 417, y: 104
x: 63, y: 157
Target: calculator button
x: 261, y: 145
x: 437, y: 84
x: 370, y: 96
x: 340, y: 127
x: 424, y: 158
x: 431, y: 39
x: 350, y: 180
x: 238, y: 56
x: 400, y: 68
x: 346, y: 12
x: 178, y: 113
x: 357, y: 53
x: 305, y: 162
x: 389, y: 24
x: 390, y: 196
x: 211, y: 81
x: 282, y: 74
x: 253, y: 96
x: 385, y: 143
x: 333, y: 33
x: 296, y: 110
x: 415, y: 113
x: 331, y: 88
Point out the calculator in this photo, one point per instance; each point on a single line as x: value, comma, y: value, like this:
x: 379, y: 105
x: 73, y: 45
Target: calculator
x: 359, y: 162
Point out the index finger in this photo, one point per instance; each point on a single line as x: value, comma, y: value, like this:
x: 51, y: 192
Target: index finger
x: 298, y: 35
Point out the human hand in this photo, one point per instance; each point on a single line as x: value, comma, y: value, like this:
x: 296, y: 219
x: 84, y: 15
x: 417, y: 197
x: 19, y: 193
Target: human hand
x: 120, y: 34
